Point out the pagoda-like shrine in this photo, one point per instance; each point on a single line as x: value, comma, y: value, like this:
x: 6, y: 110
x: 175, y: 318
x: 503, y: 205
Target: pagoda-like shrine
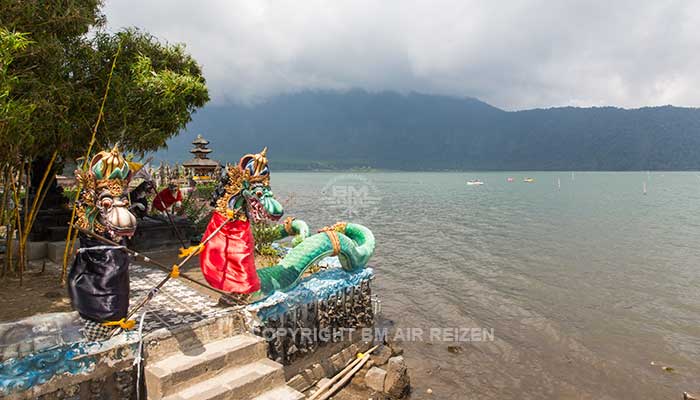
x: 201, y: 168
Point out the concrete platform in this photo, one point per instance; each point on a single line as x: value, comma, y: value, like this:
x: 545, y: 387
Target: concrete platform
x: 54, y: 251
x: 35, y: 250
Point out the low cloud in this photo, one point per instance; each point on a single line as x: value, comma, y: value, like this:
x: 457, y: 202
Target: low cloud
x: 513, y: 54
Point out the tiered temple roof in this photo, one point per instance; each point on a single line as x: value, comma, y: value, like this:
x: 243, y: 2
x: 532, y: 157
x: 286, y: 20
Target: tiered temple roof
x: 200, y: 161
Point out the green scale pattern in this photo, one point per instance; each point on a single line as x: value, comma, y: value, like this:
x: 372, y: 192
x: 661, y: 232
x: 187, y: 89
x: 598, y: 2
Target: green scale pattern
x: 356, y: 247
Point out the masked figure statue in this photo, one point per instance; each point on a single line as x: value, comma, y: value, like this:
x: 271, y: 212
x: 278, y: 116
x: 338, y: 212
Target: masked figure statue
x: 99, y: 277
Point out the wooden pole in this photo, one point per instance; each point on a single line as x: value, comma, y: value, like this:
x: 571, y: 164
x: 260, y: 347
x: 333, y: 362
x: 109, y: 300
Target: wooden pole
x: 154, y: 262
x: 72, y: 235
x: 350, y: 368
x: 344, y: 380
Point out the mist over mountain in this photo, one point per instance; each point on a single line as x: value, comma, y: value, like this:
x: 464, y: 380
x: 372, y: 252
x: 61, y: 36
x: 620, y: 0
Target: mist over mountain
x: 318, y: 130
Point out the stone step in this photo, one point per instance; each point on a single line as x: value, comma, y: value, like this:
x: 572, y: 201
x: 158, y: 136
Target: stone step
x: 34, y: 250
x: 237, y: 383
x: 281, y: 393
x: 56, y: 233
x: 54, y: 251
x: 190, y: 338
x: 182, y: 370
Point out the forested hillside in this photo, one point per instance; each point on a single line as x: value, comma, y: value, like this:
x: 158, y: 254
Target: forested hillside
x: 312, y: 130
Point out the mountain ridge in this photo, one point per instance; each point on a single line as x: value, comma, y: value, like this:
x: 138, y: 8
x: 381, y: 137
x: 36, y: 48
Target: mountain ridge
x: 388, y: 130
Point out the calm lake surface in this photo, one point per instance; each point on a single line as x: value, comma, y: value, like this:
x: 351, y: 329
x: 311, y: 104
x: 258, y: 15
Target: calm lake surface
x: 584, y: 285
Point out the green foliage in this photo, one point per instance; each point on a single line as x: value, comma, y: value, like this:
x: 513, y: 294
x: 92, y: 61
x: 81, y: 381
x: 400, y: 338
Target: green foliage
x: 15, y: 111
x: 156, y: 88
x: 196, y: 206
x: 196, y: 210
x: 56, y: 61
x: 264, y: 233
x: 64, y: 75
x: 50, y: 75
x: 69, y: 193
x: 205, y: 191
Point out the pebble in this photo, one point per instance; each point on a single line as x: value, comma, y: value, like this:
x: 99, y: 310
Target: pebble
x: 455, y: 349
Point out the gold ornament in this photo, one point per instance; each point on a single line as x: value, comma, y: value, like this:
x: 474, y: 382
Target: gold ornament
x: 234, y: 186
x: 261, y: 172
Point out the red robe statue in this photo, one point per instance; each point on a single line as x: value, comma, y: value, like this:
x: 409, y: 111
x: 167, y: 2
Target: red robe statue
x: 228, y: 261
x: 166, y: 198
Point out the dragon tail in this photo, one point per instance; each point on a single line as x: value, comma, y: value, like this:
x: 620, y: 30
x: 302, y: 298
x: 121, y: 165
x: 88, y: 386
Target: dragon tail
x: 353, y: 244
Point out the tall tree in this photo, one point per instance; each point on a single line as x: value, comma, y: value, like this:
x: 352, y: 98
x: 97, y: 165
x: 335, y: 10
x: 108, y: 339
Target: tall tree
x: 62, y: 77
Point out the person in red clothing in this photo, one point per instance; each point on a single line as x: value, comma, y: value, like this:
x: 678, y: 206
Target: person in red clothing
x: 168, y: 199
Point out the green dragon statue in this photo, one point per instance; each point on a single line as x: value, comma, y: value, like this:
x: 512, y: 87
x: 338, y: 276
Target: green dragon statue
x: 227, y: 258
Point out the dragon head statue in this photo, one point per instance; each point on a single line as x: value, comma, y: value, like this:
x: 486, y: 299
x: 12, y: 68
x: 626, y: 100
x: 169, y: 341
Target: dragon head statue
x: 244, y: 190
x: 103, y: 206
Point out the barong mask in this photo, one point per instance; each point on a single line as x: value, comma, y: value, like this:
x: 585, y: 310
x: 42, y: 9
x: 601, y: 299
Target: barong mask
x: 103, y: 206
x: 244, y: 191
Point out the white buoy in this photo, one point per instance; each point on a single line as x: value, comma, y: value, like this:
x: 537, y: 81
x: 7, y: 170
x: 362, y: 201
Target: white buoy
x: 644, y: 187
x: 559, y: 183
x: 572, y: 175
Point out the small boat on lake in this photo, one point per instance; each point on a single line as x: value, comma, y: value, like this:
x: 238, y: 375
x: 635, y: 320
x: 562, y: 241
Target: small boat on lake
x: 474, y: 182
x: 529, y: 180
x: 509, y: 179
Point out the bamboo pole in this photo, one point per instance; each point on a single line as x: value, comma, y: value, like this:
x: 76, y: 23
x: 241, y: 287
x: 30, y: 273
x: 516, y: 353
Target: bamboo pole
x: 5, y: 212
x: 343, y: 376
x: 22, y: 249
x: 40, y: 194
x: 30, y: 213
x: 18, y: 219
x: 3, y: 206
x: 72, y: 235
x: 41, y: 200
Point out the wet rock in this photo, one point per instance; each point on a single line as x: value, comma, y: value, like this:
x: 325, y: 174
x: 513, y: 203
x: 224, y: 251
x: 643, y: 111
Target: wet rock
x: 455, y: 349
x: 382, y: 355
x: 396, y: 349
x: 317, y: 372
x: 359, y: 378
x: 397, y: 383
x: 298, y: 383
x: 337, y: 362
x: 374, y: 379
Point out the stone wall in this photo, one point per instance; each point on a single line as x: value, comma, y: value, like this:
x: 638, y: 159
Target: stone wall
x: 42, y: 360
x: 47, y: 355
x: 325, y: 308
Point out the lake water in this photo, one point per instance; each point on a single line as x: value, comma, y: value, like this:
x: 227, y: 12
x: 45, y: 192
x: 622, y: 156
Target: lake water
x: 584, y: 285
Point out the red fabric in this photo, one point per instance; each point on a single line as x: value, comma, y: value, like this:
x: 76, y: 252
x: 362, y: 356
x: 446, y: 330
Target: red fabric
x: 227, y: 260
x: 165, y: 199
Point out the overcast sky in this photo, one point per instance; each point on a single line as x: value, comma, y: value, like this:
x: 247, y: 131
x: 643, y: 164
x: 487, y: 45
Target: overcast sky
x: 513, y: 54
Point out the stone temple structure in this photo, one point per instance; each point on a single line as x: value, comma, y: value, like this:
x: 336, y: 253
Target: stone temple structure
x: 201, y: 168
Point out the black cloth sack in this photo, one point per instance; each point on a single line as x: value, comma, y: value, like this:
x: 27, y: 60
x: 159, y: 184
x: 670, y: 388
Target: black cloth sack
x: 98, y: 282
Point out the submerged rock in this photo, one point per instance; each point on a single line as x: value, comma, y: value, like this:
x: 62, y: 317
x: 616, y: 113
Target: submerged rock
x: 397, y: 383
x: 455, y: 349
